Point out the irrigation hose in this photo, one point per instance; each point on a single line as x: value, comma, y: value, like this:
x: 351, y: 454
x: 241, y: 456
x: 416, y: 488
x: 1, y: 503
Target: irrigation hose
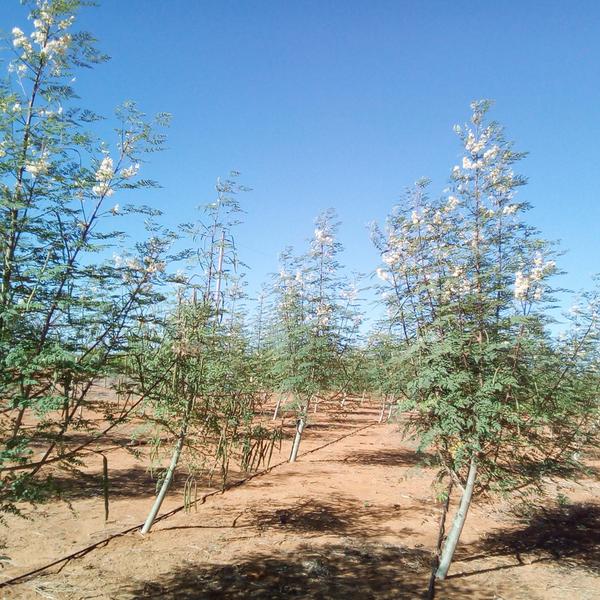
x: 83, y: 551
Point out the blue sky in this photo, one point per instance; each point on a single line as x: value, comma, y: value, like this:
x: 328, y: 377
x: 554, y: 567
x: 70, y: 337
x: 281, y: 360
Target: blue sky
x: 343, y: 104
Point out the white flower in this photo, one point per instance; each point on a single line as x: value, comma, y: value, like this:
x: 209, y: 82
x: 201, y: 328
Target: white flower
x: 39, y: 167
x: 66, y: 23
x: 467, y: 163
x: 16, y: 107
x: 383, y: 274
x: 133, y: 264
x: 103, y: 189
x: 20, y: 40
x: 322, y: 237
x: 509, y: 209
x: 130, y: 171
x: 521, y: 285
x: 39, y: 37
x: 472, y: 144
x: 453, y: 202
x: 118, y: 260
x: 58, y: 46
x: 391, y: 257
x: 415, y: 218
x: 154, y: 266
x: 323, y: 313
x: 45, y: 14
x: 115, y: 209
x: 540, y: 268
x: 106, y: 170
x: 491, y: 153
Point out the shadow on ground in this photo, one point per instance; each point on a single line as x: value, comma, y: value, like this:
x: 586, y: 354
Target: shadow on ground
x: 569, y: 535
x: 400, y: 457
x: 333, y: 571
x: 339, y: 516
x: 134, y: 482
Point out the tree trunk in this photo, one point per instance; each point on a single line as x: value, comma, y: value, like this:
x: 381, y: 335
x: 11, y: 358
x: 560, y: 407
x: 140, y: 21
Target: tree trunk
x: 459, y: 521
x: 170, y: 471
x: 105, y: 486
x: 435, y: 561
x: 276, y: 412
x: 300, y: 424
x: 382, y: 411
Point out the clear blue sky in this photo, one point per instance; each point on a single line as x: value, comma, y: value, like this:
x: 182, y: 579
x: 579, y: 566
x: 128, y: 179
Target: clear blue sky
x: 343, y: 104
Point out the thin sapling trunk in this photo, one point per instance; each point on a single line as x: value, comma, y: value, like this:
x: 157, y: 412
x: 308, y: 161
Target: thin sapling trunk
x: 170, y: 471
x: 300, y: 425
x: 459, y: 521
x: 435, y: 562
x: 277, y: 406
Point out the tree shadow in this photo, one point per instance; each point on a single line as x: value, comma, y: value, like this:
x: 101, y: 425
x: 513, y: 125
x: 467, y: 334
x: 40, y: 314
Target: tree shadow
x: 569, y: 534
x: 340, y: 516
x: 395, y: 458
x: 320, y: 572
x: 133, y: 482
x: 331, y: 426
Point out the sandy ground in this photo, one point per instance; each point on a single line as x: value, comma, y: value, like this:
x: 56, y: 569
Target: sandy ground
x: 352, y: 519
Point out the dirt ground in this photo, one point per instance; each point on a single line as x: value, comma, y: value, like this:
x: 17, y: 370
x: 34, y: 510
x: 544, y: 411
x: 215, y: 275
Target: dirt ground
x: 355, y: 518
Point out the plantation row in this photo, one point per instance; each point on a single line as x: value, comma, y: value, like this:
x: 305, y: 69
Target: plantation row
x: 465, y: 344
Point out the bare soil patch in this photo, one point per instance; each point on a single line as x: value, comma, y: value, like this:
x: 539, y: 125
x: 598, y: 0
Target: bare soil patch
x: 353, y: 519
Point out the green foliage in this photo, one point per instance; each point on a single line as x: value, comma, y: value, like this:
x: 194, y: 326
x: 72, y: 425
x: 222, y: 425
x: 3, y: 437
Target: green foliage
x: 195, y: 368
x: 466, y: 284
x: 65, y: 310
x: 315, y: 320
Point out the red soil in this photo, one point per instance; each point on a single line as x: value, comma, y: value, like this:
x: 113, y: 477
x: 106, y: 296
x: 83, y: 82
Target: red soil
x: 354, y: 519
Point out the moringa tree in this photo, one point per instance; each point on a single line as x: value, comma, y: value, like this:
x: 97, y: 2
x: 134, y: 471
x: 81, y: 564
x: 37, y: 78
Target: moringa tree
x: 467, y: 291
x: 315, y: 324
x: 196, y: 369
x: 65, y: 309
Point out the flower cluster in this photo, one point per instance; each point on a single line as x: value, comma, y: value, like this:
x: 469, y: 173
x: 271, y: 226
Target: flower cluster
x: 104, y: 175
x: 51, y: 48
x: 383, y: 275
x: 532, y: 283
x: 20, y: 40
x: 131, y: 171
x: 38, y: 167
x: 323, y: 315
x: 323, y: 237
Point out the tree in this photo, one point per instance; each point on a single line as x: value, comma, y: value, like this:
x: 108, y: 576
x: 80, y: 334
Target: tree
x: 467, y: 290
x: 65, y: 308
x: 196, y: 370
x: 315, y: 324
